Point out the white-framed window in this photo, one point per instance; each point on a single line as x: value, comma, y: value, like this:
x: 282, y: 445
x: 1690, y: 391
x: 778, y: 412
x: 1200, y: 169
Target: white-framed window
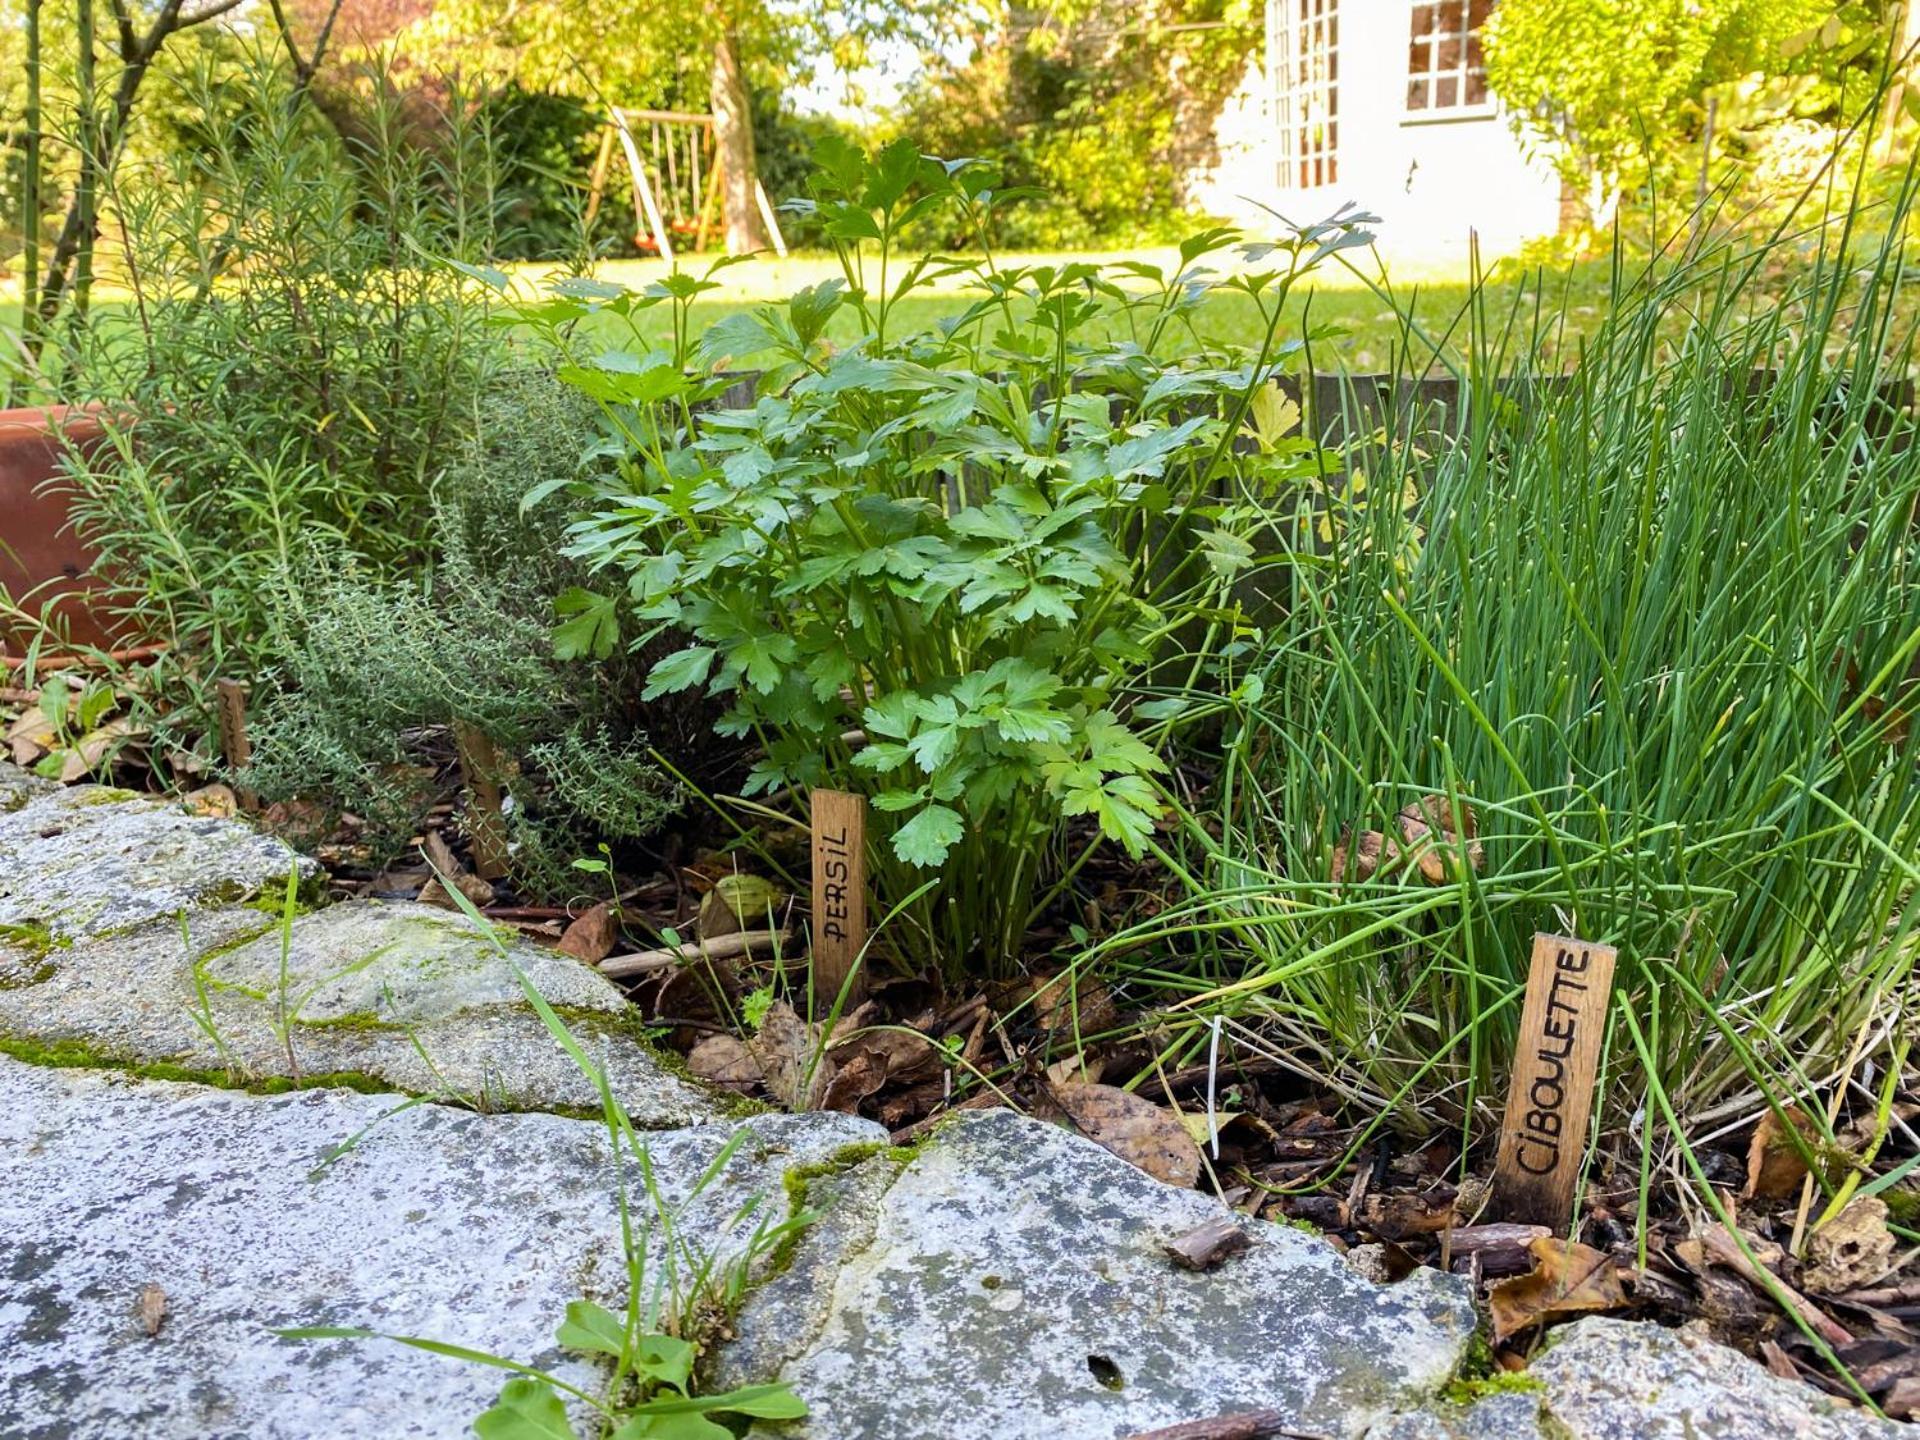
x: 1446, y: 73
x: 1305, y: 59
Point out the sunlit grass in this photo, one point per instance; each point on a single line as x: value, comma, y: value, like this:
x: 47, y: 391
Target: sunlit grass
x: 1356, y: 327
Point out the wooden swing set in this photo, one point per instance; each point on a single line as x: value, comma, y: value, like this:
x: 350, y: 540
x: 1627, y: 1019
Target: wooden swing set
x: 676, y: 179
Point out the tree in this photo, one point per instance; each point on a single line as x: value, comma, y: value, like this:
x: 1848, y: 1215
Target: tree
x: 732, y: 109
x: 1612, y: 86
x: 1104, y: 105
x: 676, y: 54
x: 100, y: 131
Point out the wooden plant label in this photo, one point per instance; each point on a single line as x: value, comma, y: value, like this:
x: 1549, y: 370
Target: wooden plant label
x: 231, y: 698
x: 1544, y: 1135
x: 479, y: 772
x: 839, y: 895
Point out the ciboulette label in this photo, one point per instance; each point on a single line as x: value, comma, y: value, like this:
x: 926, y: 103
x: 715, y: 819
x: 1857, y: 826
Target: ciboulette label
x: 1562, y: 1024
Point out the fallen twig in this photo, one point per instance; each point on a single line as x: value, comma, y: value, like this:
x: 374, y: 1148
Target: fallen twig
x: 1249, y: 1425
x: 1724, y: 1248
x: 721, y: 947
x: 1207, y: 1245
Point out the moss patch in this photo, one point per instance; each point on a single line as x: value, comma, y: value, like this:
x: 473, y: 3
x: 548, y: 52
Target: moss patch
x: 1500, y: 1382
x: 1478, y: 1363
x: 1294, y: 1222
x: 308, y: 896
x: 83, y: 1055
x: 36, y: 939
x: 34, y: 973
x: 358, y: 1021
x: 629, y: 1024
x: 798, y: 1182
x: 100, y: 795
x: 1902, y: 1205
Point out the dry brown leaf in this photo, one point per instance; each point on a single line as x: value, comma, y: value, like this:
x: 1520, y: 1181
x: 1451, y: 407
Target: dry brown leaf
x: 863, y: 1058
x: 703, y: 988
x: 439, y: 854
x: 477, y: 891
x: 1567, y: 1279
x: 1854, y: 1248
x: 95, y: 746
x: 1361, y: 859
x: 301, y: 821
x: 898, y: 1108
x: 153, y: 1308
x: 1135, y: 1129
x: 1427, y: 827
x: 852, y: 1081
x: 738, y: 902
x: 904, y: 1057
x: 784, y: 1048
x: 1774, y: 1166
x: 213, y: 802
x: 848, y: 1067
x: 1072, y: 1003
x: 1080, y: 1069
x: 851, y: 1023
x: 724, y: 1060
x: 590, y: 937
x: 405, y: 880
x: 30, y: 736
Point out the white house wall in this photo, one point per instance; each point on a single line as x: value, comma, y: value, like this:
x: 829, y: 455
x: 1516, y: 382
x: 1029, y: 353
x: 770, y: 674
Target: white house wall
x: 1433, y: 181
x: 1243, y: 154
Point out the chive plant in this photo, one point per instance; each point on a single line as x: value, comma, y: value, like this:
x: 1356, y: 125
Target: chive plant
x: 1649, y: 631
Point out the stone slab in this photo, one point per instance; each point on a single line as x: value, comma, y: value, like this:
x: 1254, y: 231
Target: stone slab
x: 1009, y: 1281
x: 469, y: 1228
x: 87, y: 860
x: 1610, y: 1379
x: 412, y: 997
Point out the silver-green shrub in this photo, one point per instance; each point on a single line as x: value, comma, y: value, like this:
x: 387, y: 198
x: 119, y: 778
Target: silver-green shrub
x: 377, y: 671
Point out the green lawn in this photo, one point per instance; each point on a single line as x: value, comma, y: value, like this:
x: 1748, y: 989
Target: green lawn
x: 1354, y: 327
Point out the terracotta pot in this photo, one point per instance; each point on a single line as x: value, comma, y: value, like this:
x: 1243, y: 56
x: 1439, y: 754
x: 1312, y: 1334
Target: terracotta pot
x: 42, y: 559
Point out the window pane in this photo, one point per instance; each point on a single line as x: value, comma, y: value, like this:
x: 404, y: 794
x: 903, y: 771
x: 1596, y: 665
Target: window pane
x: 1422, y: 20
x: 1445, y: 92
x: 1309, y: 104
x: 1416, y: 94
x: 1447, y: 55
x: 1476, y: 87
x: 1420, y: 59
x: 1479, y: 12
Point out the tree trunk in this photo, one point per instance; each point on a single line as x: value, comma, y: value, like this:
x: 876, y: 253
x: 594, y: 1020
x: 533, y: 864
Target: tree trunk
x: 30, y: 192
x: 86, y: 184
x: 733, y: 137
x: 103, y: 136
